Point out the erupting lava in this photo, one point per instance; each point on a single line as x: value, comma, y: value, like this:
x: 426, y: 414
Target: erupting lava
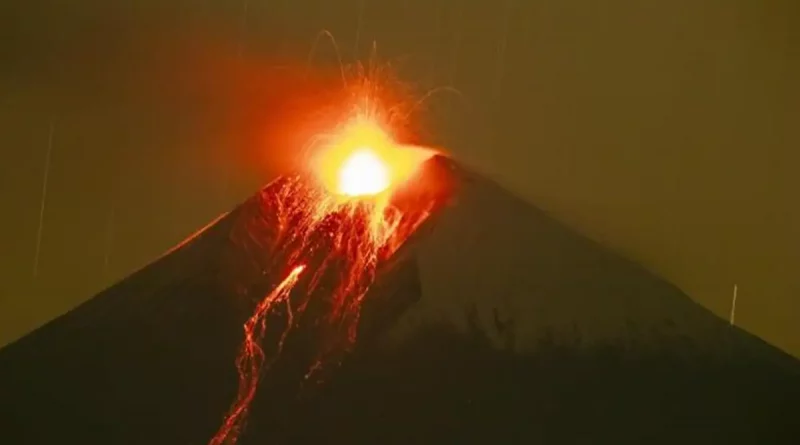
x: 251, y: 358
x: 364, y: 173
x: 331, y: 231
x: 363, y: 159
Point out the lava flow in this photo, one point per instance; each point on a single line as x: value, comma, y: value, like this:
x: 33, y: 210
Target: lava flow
x: 251, y: 358
x: 331, y: 230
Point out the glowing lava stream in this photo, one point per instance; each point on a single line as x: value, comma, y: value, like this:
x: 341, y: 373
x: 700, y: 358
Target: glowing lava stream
x: 347, y: 220
x: 251, y: 358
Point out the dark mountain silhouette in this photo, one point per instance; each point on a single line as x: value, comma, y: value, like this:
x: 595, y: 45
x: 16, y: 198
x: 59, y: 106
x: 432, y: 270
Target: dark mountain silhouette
x: 494, y: 324
x: 530, y: 333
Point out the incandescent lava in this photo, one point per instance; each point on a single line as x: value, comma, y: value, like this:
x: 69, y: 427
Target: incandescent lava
x: 331, y: 229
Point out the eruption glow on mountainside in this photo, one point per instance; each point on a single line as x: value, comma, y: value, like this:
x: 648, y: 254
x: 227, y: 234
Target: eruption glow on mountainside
x: 332, y: 230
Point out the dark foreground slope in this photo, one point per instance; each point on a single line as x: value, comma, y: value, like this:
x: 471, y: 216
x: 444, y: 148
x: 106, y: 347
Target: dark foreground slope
x: 525, y: 333
x: 530, y: 333
x: 152, y: 359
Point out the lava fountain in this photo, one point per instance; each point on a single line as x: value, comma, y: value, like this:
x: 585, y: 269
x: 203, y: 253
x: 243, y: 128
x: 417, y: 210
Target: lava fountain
x: 336, y: 225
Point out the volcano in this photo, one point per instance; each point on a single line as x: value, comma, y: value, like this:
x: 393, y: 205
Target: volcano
x: 160, y: 358
x: 491, y: 323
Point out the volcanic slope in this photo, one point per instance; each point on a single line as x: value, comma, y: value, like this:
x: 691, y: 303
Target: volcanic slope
x: 152, y: 360
x: 530, y: 333
x: 525, y: 332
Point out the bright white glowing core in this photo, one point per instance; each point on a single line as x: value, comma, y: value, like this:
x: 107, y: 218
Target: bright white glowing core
x: 363, y: 173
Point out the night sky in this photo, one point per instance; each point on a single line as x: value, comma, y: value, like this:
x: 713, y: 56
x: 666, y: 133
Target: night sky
x: 666, y: 130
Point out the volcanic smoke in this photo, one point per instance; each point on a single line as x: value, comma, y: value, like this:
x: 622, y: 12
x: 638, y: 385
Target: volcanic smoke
x: 336, y: 225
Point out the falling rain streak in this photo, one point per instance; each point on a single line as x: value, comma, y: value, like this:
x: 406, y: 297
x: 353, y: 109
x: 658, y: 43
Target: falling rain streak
x: 44, y: 199
x: 501, y: 51
x: 732, y: 319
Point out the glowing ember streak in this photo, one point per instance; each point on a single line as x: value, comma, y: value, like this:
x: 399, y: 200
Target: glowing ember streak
x: 251, y: 359
x: 360, y: 157
x: 342, y: 226
x: 341, y: 240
